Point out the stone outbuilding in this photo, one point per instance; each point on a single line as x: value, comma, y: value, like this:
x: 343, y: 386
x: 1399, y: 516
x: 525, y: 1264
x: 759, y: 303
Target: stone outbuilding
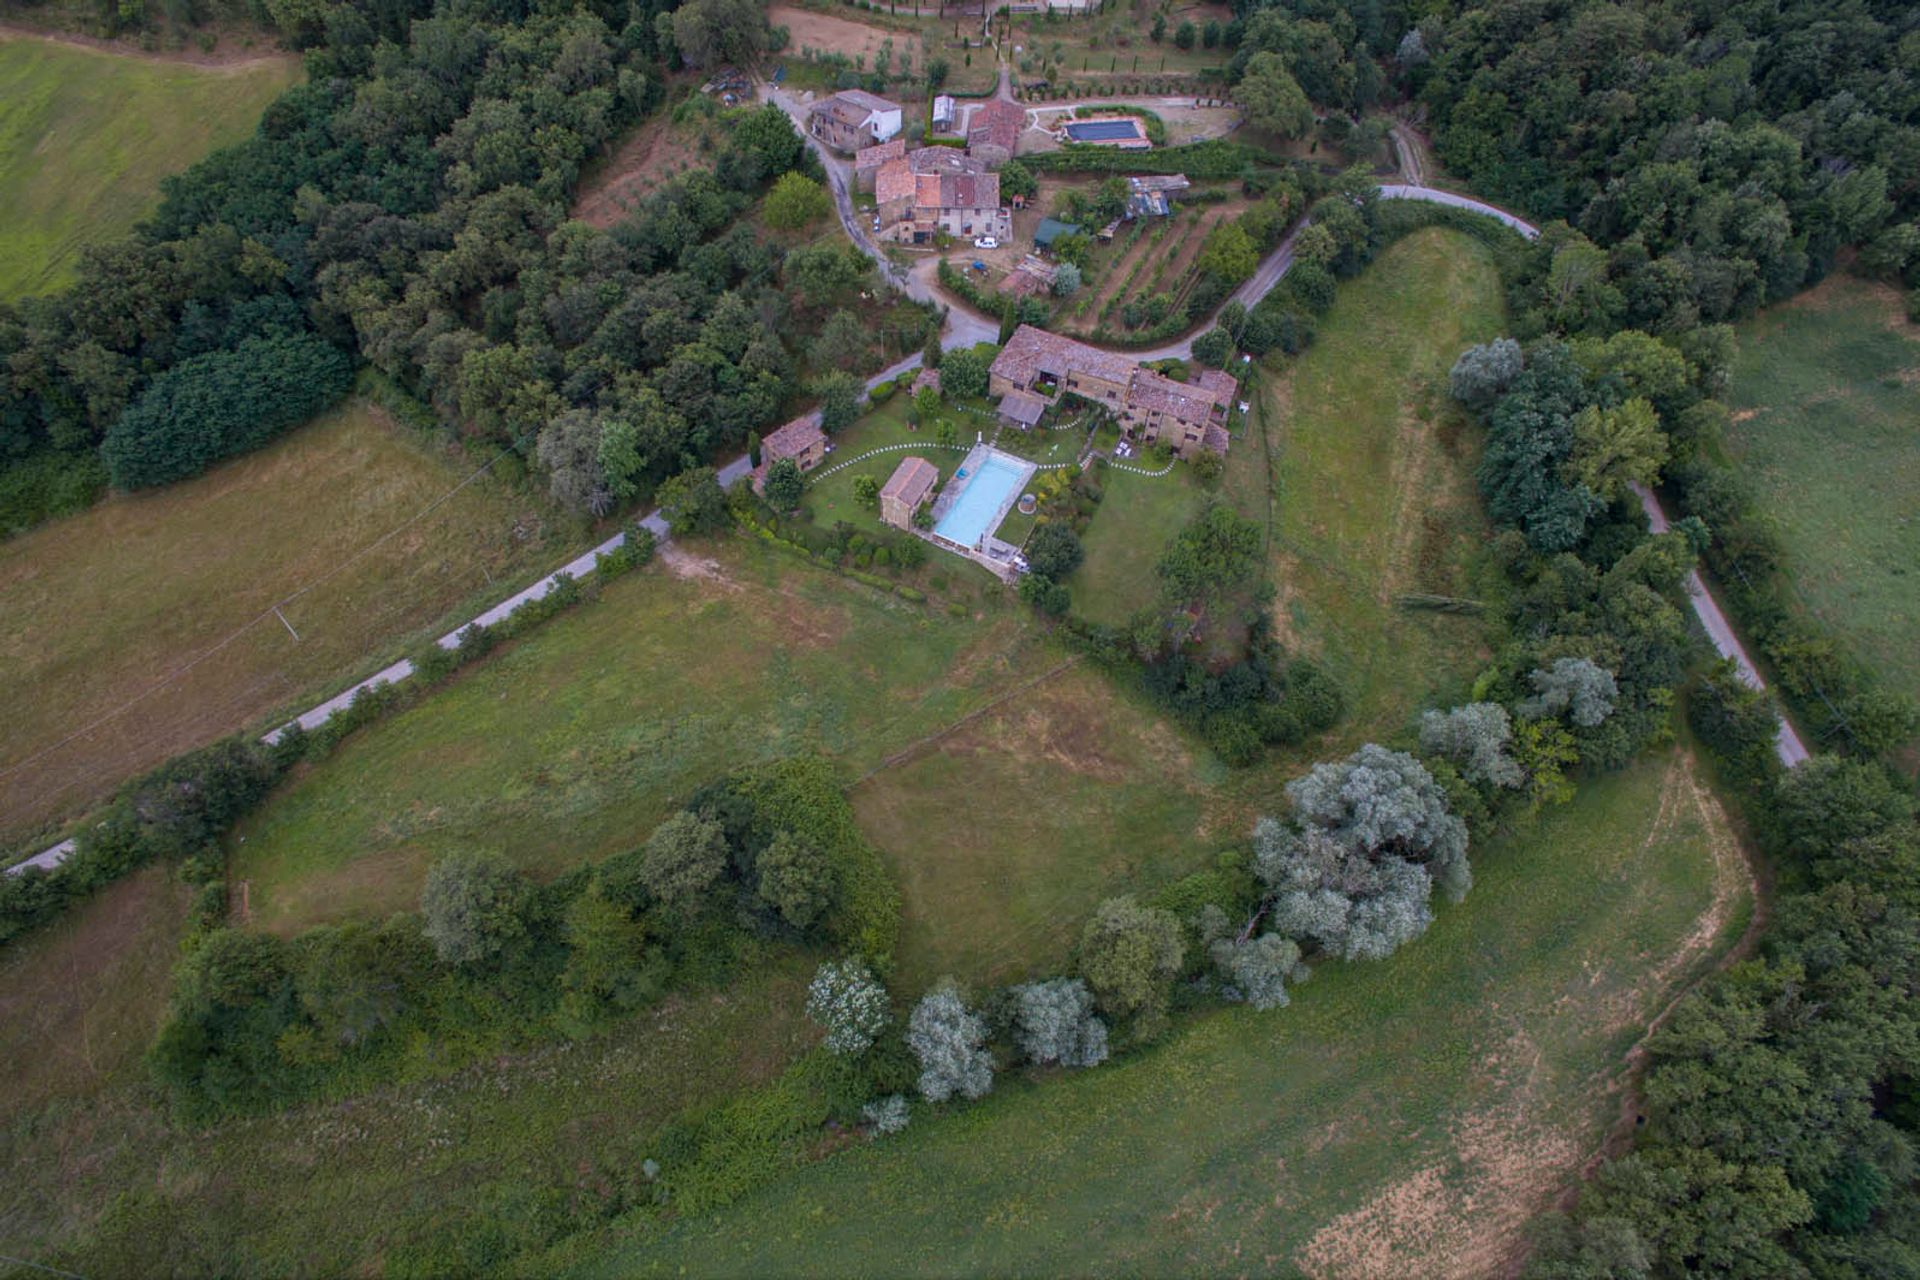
x: 906, y: 490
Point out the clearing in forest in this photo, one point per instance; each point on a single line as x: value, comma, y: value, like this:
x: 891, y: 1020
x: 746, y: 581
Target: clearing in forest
x: 86, y: 136
x: 144, y: 626
x: 1825, y: 399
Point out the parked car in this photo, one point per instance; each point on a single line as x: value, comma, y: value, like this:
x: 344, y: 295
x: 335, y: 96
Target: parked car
x: 986, y: 242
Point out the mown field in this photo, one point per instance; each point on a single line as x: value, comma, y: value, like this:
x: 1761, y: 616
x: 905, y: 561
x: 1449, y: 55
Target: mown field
x: 1826, y: 403
x: 142, y: 627
x: 1138, y: 515
x: 86, y: 136
x: 1363, y: 470
x: 1400, y: 1118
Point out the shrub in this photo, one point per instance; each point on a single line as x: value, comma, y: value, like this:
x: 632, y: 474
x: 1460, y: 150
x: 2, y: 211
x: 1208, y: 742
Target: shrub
x: 849, y: 1004
x: 947, y: 1040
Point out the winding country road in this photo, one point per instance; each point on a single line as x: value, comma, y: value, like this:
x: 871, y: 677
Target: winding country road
x: 965, y: 328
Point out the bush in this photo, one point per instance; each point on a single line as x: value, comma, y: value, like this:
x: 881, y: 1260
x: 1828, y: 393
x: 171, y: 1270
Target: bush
x: 849, y: 1004
x: 474, y: 907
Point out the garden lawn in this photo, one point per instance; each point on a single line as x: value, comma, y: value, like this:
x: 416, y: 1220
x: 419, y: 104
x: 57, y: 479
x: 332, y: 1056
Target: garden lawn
x: 572, y: 744
x: 143, y: 627
x: 1826, y: 401
x: 1136, y: 518
x: 1400, y: 1118
x: 1363, y: 470
x: 830, y: 498
x: 86, y: 136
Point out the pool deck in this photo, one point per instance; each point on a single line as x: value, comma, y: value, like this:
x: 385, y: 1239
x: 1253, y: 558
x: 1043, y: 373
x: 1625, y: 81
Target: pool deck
x: 991, y: 554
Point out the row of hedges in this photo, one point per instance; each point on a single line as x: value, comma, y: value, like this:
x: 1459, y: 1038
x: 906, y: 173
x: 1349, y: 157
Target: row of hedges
x: 182, y: 808
x: 1214, y: 158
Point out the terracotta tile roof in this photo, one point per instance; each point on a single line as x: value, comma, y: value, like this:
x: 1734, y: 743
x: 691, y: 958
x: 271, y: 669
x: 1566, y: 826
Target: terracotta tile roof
x: 1215, y: 438
x: 895, y: 181
x: 874, y: 157
x: 998, y: 124
x: 924, y: 379
x: 1030, y: 351
x: 911, y: 481
x: 1220, y: 383
x: 794, y: 438
x: 944, y: 160
x: 1156, y: 392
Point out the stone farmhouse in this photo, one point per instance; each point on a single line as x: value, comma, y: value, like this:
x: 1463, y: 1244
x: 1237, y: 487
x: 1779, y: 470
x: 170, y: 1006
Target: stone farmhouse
x: 994, y: 131
x: 870, y: 160
x: 906, y: 489
x: 1036, y: 368
x: 802, y: 440
x: 935, y: 189
x: 853, y: 120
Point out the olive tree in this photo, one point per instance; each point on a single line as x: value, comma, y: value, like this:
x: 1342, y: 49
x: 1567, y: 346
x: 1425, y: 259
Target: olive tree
x: 1475, y: 738
x: 1386, y: 803
x: 1339, y: 895
x: 849, y: 1003
x: 1257, y: 970
x: 887, y: 1115
x: 1054, y: 1022
x: 1483, y: 373
x: 947, y: 1038
x: 1578, y: 687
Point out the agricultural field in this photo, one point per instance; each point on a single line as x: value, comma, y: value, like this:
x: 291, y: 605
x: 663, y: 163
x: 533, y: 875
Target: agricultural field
x: 1113, y: 44
x: 144, y: 626
x: 820, y: 34
x: 1825, y: 398
x: 1393, y: 1106
x: 1362, y: 468
x: 86, y: 136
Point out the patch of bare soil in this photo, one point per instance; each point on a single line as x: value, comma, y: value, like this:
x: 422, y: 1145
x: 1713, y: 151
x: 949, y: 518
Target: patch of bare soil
x: 828, y: 34
x: 1463, y: 1214
x: 653, y: 154
x: 682, y: 563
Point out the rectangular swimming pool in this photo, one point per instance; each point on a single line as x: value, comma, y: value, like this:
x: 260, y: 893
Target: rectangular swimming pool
x: 978, y: 508
x: 1103, y: 130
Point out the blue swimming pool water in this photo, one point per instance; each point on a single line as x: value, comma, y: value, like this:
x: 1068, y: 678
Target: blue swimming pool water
x: 1101, y: 130
x: 980, y: 501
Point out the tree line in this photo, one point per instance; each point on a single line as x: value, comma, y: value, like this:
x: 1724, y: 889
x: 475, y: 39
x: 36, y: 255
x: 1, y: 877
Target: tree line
x: 407, y: 207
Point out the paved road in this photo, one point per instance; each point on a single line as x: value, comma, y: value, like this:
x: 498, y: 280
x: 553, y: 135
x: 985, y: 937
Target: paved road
x: 964, y: 328
x: 1786, y: 742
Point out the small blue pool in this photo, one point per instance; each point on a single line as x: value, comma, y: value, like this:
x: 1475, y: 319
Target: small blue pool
x: 1102, y: 130
x: 977, y: 509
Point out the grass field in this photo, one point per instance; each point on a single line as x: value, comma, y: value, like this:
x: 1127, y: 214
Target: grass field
x: 99, y: 609
x: 1401, y: 1118
x: 85, y: 138
x: 439, y: 1177
x: 1364, y: 472
x: 575, y: 743
x: 1826, y: 401
x: 1137, y: 517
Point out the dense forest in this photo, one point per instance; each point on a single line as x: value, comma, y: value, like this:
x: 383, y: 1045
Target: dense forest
x: 407, y: 207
